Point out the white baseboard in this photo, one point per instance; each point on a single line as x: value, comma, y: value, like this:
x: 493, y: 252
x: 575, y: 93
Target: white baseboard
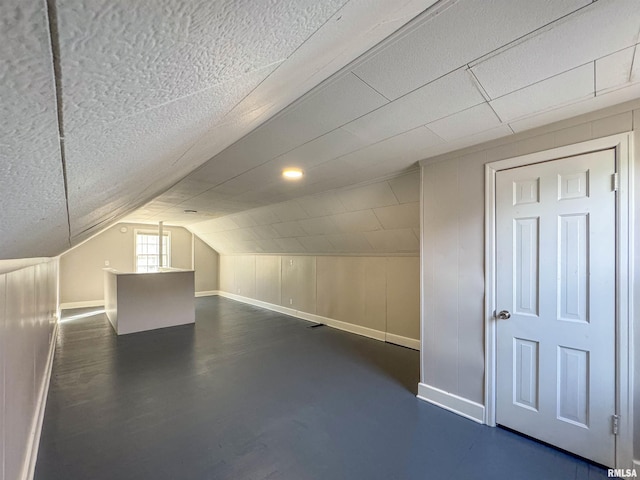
x: 260, y: 303
x: 463, y: 407
x: 402, y: 341
x: 207, y: 293
x: 89, y: 303
x: 29, y: 466
x: 344, y: 326
x: 338, y: 324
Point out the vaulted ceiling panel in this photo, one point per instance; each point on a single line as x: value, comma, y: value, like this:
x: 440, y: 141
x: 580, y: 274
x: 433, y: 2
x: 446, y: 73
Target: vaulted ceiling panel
x: 34, y: 220
x: 635, y: 72
x: 471, y: 121
x: 360, y: 221
x: 335, y: 104
x: 455, y: 34
x: 399, y: 216
x: 605, y: 99
x: 349, y: 242
x: 225, y: 94
x: 290, y: 245
x: 568, y: 87
x: 368, y: 196
x: 288, y: 229
x: 111, y: 162
x: 317, y: 244
x: 578, y: 39
x: 321, y: 205
x: 288, y: 211
x: 263, y: 216
x: 447, y: 95
x: 120, y: 58
x: 334, y: 144
x: 614, y: 70
x: 318, y: 226
x: 401, y: 240
x: 406, y: 188
x: 380, y: 138
x: 399, y: 150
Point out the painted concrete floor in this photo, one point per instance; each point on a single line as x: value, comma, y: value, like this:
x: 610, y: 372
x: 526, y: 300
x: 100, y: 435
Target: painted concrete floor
x: 252, y: 394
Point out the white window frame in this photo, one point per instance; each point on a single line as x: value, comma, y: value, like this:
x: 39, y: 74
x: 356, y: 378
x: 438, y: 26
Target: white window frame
x: 136, y: 232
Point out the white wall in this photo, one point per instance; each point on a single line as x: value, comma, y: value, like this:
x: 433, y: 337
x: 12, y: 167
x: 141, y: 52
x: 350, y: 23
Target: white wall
x: 379, y: 296
x: 453, y: 248
x: 28, y: 308
x: 81, y: 278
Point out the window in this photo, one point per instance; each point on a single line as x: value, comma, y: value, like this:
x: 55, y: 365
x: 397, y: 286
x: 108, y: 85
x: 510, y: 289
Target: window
x: 147, y: 251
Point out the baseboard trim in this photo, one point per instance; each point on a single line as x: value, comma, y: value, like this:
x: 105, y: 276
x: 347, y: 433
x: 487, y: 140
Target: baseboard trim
x: 29, y: 466
x: 337, y: 324
x: 402, y: 341
x: 89, y: 303
x: 344, y: 326
x: 449, y: 401
x: 259, y: 303
x: 207, y: 293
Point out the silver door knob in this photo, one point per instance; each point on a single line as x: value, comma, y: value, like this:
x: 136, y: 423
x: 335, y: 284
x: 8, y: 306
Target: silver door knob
x: 504, y: 315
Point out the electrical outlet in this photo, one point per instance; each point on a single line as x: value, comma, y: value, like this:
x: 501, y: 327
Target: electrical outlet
x: 106, y: 263
x: 291, y: 262
x: 291, y: 301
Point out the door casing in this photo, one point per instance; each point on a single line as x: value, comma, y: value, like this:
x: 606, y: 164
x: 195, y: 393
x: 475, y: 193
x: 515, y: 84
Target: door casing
x: 623, y: 145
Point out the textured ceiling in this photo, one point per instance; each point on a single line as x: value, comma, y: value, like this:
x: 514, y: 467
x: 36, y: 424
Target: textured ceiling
x: 169, y: 105
x: 463, y: 73
x: 107, y: 103
x: 379, y: 217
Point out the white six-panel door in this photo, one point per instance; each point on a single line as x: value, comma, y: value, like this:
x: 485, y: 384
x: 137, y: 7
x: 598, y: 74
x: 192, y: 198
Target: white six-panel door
x: 555, y: 238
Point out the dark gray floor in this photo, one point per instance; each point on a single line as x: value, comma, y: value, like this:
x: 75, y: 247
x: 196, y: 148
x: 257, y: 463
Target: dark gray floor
x: 252, y: 394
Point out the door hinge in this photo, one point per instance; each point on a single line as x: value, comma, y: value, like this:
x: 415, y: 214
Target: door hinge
x: 615, y: 182
x: 615, y: 423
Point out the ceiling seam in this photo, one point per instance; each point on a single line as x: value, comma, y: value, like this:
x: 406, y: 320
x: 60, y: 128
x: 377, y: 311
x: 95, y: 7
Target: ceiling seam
x: 54, y: 39
x: 524, y: 38
x: 478, y: 85
x: 349, y: 69
x: 246, y: 96
x: 355, y: 63
x: 371, y: 87
x: 633, y: 61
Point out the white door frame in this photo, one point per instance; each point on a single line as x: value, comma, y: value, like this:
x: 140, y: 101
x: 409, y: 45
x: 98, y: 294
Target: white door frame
x: 623, y: 144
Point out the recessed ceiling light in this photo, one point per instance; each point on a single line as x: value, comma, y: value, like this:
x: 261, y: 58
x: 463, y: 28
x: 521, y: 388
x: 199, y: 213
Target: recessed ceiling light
x: 292, y: 173
x: 190, y: 211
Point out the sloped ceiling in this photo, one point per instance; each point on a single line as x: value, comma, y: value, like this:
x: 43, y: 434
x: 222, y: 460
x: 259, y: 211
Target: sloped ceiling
x: 377, y: 217
x: 462, y: 73
x: 181, y: 105
x: 107, y: 103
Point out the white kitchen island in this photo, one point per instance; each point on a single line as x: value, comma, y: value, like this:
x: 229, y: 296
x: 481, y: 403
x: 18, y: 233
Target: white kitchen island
x: 136, y: 302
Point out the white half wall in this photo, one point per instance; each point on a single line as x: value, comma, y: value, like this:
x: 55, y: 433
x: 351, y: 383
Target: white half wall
x: 378, y: 297
x: 28, y: 321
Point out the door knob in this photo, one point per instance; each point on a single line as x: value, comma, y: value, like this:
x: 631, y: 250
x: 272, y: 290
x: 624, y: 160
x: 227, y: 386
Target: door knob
x: 504, y: 315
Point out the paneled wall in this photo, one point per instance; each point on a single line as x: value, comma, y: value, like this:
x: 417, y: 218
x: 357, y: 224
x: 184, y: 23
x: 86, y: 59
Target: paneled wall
x: 28, y: 308
x: 205, y: 263
x: 81, y: 278
x: 377, y: 293
x: 453, y: 248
